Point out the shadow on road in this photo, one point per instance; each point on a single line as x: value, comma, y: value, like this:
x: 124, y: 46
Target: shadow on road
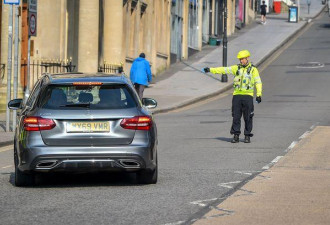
x: 59, y: 180
x: 225, y: 139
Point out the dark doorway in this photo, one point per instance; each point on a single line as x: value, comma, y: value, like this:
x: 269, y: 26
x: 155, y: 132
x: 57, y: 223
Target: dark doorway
x: 218, y: 18
x: 176, y: 30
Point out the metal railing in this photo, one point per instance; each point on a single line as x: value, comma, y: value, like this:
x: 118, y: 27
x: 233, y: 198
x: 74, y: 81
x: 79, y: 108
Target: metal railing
x: 111, y: 68
x: 40, y: 66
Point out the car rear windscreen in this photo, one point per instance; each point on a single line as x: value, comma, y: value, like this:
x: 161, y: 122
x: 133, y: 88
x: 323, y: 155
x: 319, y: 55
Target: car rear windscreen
x: 87, y: 96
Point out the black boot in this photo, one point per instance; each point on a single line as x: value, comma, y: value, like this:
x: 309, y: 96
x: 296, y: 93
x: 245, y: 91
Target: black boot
x: 235, y: 139
x: 247, y: 139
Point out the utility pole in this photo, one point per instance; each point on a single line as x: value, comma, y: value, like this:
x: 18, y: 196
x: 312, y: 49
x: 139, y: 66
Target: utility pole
x: 224, y: 77
x: 309, y: 5
x: 16, y: 41
x: 27, y: 90
x: 32, y: 24
x: 9, y: 63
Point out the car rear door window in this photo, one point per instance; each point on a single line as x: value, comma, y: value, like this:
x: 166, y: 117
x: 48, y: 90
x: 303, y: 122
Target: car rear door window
x: 90, y: 96
x: 34, y: 94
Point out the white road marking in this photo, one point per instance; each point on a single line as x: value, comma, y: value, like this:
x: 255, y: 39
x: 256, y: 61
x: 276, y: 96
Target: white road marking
x: 249, y: 173
x: 6, y: 148
x: 201, y: 202
x: 291, y: 146
x: 242, y: 172
x: 277, y: 159
x: 312, y: 127
x: 175, y: 223
x: 6, y: 167
x: 266, y: 167
x: 304, y: 134
x: 306, y: 65
x: 226, y: 185
x: 272, y: 163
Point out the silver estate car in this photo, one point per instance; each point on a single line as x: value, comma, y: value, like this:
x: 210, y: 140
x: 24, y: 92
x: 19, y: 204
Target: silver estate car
x: 77, y: 122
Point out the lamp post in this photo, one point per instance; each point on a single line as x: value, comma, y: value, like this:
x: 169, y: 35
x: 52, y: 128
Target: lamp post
x: 224, y: 77
x: 309, y: 4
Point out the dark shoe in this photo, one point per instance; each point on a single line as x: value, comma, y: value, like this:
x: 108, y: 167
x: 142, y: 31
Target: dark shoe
x: 235, y: 139
x: 247, y: 139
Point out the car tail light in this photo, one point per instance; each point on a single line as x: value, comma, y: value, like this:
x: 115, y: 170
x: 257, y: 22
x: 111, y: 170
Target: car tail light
x: 137, y: 123
x: 37, y: 123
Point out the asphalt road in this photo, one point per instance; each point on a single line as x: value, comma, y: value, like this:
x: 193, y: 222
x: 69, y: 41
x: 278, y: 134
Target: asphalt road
x: 198, y: 165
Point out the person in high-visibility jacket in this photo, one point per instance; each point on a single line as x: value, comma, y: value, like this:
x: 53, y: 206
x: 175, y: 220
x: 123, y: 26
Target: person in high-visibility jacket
x: 245, y: 81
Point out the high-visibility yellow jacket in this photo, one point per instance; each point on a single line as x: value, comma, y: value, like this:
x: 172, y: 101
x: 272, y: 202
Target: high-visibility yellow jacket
x: 246, y: 78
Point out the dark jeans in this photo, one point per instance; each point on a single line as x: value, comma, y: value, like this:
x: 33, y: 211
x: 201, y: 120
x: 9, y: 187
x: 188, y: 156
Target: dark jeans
x: 139, y: 89
x: 242, y: 105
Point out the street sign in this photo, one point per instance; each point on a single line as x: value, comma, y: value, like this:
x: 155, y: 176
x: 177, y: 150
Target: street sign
x: 33, y: 5
x: 12, y: 2
x: 32, y: 24
x: 33, y: 17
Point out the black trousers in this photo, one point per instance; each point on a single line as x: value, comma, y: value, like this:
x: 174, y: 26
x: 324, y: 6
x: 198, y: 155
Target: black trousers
x: 242, y: 105
x: 139, y: 89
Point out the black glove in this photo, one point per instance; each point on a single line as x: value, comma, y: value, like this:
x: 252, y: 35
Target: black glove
x: 206, y: 69
x: 258, y: 99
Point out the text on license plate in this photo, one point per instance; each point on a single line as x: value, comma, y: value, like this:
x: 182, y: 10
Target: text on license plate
x: 88, y: 127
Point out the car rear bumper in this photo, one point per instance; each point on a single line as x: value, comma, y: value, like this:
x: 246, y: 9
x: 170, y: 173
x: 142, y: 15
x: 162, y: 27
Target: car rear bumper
x: 86, y: 159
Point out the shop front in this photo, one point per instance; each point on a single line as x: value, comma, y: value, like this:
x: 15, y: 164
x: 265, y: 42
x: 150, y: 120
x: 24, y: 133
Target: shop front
x: 240, y: 14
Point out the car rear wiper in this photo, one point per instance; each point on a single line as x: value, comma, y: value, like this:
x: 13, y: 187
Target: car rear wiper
x: 82, y: 105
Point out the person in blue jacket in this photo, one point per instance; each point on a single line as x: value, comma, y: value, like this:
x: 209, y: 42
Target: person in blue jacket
x: 140, y: 74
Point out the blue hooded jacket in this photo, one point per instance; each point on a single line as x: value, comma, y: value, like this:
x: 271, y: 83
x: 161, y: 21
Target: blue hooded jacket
x: 140, y: 72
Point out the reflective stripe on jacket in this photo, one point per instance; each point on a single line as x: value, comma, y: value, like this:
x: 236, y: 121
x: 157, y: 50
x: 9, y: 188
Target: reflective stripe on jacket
x: 246, y: 78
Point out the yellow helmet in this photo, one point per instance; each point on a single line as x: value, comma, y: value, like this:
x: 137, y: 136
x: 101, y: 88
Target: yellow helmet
x: 243, y: 54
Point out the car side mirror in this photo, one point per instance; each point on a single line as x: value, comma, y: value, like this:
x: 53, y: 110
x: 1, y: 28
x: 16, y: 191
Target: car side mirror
x: 15, y: 104
x: 149, y: 103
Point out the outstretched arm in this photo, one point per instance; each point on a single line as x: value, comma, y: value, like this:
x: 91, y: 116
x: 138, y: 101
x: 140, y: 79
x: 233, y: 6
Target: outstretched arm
x: 224, y: 70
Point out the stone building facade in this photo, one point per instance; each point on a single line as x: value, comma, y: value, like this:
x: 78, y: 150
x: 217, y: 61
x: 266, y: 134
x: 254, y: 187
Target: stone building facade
x: 91, y: 33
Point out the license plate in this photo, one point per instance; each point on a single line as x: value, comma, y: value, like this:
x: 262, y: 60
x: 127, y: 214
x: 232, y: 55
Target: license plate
x: 88, y: 127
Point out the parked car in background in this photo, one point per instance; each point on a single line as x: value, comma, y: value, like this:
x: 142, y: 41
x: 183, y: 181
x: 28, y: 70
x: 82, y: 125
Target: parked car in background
x: 77, y: 122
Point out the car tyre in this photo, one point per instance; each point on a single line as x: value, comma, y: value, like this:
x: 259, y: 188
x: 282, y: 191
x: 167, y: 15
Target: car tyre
x: 147, y: 176
x: 22, y: 179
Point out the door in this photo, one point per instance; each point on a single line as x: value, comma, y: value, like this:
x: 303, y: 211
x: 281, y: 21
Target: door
x: 176, y: 30
x: 218, y: 21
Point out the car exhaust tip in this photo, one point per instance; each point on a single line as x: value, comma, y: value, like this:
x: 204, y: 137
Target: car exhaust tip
x: 129, y: 163
x: 46, y: 164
